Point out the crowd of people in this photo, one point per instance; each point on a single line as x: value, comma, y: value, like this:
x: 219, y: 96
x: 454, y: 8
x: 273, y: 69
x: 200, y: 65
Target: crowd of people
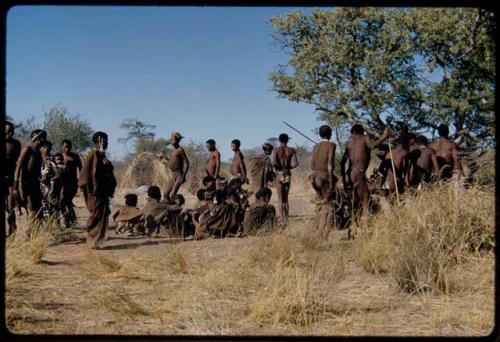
x: 44, y: 184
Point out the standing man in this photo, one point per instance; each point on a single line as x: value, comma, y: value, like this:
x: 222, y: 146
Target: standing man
x: 284, y: 160
x: 213, y: 162
x: 178, y: 163
x: 447, y: 153
x: 238, y: 168
x: 323, y: 164
x: 97, y: 183
x: 357, y: 153
x: 72, y: 165
x: 28, y: 174
x: 12, y: 152
x: 400, y: 161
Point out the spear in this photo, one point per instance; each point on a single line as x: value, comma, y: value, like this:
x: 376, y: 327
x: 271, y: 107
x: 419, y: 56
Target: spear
x: 296, y: 130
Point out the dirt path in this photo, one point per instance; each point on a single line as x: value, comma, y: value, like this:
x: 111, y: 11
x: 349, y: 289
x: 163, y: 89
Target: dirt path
x: 133, y: 290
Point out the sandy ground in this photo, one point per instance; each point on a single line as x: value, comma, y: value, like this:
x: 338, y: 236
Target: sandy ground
x: 65, y: 295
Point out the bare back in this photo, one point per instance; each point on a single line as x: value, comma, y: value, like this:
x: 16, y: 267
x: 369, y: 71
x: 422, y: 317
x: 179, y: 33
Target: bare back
x: 444, y: 149
x: 283, y: 158
x: 321, y: 151
x: 358, y: 153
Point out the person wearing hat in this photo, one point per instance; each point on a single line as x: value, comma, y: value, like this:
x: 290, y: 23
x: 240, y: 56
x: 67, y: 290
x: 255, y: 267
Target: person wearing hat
x: 28, y: 174
x: 284, y: 160
x: 178, y: 164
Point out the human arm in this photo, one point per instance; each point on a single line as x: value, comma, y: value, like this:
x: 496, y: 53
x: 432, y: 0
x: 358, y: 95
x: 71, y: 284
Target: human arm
x: 217, y: 163
x: 331, y: 165
x: 21, y: 162
x: 243, y: 168
x: 372, y: 145
x: 343, y: 162
x: 185, y: 160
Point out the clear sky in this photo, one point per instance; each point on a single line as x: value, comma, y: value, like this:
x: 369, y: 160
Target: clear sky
x: 198, y: 70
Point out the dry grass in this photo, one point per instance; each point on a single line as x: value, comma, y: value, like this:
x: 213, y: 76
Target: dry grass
x: 295, y: 281
x: 419, y: 242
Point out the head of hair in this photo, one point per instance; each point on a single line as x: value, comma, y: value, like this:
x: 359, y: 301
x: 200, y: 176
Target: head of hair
x: 179, y: 199
x: 209, y: 194
x: 263, y: 193
x: 443, y: 130
x: 131, y: 200
x: 210, y: 142
x: 357, y: 129
x: 67, y: 142
x: 207, y: 179
x: 421, y: 139
x: 200, y: 194
x: 325, y: 132
x: 154, y: 192
x: 283, y: 138
x: 267, y: 147
x: 47, y: 144
x: 10, y: 124
x: 235, y: 181
x: 233, y: 194
x: 220, y: 196
x: 95, y: 137
x: 236, y: 142
x: 39, y: 132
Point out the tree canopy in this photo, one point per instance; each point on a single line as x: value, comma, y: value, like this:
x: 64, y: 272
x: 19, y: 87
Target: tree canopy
x: 423, y: 66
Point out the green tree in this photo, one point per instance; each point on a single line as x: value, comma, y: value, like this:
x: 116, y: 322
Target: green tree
x: 61, y: 124
x: 372, y: 65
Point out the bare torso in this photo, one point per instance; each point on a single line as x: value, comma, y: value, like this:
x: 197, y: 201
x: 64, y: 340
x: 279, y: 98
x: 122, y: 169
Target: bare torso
x: 444, y: 151
x: 176, y: 160
x: 359, y: 154
x: 32, y: 168
x: 212, y: 162
x: 72, y: 163
x: 12, y: 152
x: 237, y: 164
x: 319, y: 160
x: 283, y: 158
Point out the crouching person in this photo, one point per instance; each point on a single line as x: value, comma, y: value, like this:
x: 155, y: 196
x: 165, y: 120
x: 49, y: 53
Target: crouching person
x: 129, y: 218
x: 222, y: 219
x: 260, y: 216
x: 155, y: 212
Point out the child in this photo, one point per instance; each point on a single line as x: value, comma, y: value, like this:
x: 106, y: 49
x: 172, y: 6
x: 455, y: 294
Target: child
x: 129, y: 216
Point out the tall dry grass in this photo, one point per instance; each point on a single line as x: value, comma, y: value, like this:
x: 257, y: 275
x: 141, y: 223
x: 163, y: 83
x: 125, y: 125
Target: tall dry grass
x: 420, y: 242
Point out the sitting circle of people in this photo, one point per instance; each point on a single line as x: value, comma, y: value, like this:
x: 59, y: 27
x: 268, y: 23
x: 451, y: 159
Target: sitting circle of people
x: 45, y: 184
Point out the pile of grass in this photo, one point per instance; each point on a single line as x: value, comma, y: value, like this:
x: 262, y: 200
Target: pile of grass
x: 420, y: 242
x: 146, y: 169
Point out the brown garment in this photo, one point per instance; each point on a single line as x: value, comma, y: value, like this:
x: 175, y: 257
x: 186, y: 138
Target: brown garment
x: 127, y: 218
x: 98, y: 184
x: 219, y: 221
x: 260, y: 171
x: 259, y: 217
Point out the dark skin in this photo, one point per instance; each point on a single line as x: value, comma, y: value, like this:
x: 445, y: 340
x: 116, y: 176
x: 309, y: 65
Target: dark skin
x: 399, y: 158
x: 325, y: 161
x: 358, y: 154
x: 447, y: 153
x: 422, y: 161
x: 285, y: 159
x: 72, y: 163
x: 238, y: 165
x: 12, y: 152
x: 213, y: 162
x: 29, y: 165
x: 177, y: 162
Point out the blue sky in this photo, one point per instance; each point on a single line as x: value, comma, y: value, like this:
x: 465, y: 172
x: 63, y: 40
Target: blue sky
x: 200, y: 71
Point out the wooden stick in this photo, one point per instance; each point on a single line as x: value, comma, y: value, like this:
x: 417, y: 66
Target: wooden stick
x: 393, y: 170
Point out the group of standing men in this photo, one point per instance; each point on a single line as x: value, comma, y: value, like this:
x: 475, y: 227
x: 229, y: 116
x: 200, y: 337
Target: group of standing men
x: 41, y: 182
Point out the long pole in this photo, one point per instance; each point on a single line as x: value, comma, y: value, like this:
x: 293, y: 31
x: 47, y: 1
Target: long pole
x: 296, y: 130
x: 393, y: 171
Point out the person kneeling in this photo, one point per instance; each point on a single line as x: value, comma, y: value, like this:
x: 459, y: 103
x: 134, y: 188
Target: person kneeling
x: 129, y: 217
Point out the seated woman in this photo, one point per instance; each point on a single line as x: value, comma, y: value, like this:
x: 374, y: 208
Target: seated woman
x: 129, y: 217
x: 261, y: 215
x: 222, y: 219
